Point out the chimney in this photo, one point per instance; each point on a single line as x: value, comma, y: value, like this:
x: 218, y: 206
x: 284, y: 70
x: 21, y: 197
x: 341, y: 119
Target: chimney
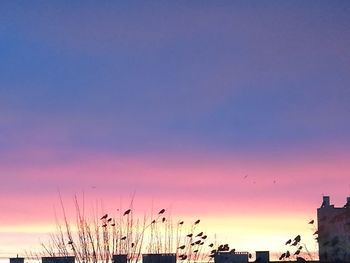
x: 326, y: 201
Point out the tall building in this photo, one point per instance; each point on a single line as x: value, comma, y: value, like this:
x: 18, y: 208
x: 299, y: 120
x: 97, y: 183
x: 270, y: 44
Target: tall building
x: 334, y: 231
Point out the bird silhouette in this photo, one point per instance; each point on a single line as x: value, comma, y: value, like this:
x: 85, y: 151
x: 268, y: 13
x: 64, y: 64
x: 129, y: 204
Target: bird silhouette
x: 161, y: 212
x: 109, y: 220
x: 287, y: 254
x: 211, y: 245
x: 163, y: 219
x: 199, y: 234
x: 294, y: 243
x: 197, y: 222
x: 123, y: 238
x: 198, y: 242
x: 104, y: 225
x: 132, y: 244
x: 288, y: 242
x: 104, y: 217
x: 282, y: 256
x: 190, y: 235
x: 181, y: 222
x: 127, y: 212
x: 204, y: 237
x: 311, y: 222
x: 70, y: 242
x: 297, y: 238
x: 297, y: 252
x: 181, y: 247
x: 195, y: 251
x: 153, y: 221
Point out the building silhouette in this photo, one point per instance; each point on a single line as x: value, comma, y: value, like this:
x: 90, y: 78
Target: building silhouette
x: 333, y: 231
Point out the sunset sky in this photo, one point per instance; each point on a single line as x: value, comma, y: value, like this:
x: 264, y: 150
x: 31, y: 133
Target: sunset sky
x: 233, y: 112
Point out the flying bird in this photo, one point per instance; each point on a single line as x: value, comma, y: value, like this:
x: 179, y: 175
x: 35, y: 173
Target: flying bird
x: 189, y: 235
x: 127, y: 212
x: 294, y: 243
x: 297, y: 252
x: 288, y: 242
x: 297, y: 238
x: 195, y: 251
x: 181, y: 222
x: 282, y: 256
x: 104, y: 217
x: 109, y: 220
x: 197, y: 222
x: 161, y: 212
x: 199, y: 234
x: 181, y: 247
x: 204, y: 237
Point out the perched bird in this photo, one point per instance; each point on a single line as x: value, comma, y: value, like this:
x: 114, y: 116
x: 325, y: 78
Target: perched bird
x: 123, y: 238
x: 109, y: 220
x: 104, y: 225
x: 153, y: 221
x: 211, y: 245
x: 161, y: 212
x: 232, y: 250
x: 70, y: 242
x: 213, y: 251
x: 204, y: 237
x: 197, y: 222
x: 297, y: 252
x: 199, y: 234
x: 163, y: 219
x: 195, y: 251
x: 181, y: 247
x: 104, y: 217
x: 190, y: 235
x: 181, y: 222
x: 113, y: 224
x: 198, y: 242
x: 288, y: 242
x: 311, y: 222
x: 300, y: 248
x: 132, y: 244
x: 127, y: 212
x: 201, y: 243
x: 183, y: 257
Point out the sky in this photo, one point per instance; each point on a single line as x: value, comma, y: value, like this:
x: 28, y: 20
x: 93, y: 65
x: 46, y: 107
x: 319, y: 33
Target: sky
x: 234, y: 112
